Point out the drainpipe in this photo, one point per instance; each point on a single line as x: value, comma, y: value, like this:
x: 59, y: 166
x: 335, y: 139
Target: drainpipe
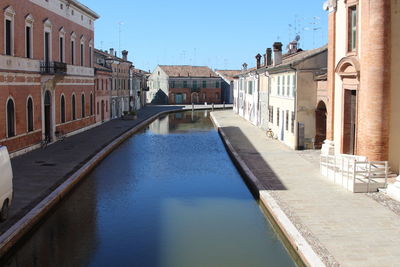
x: 258, y: 100
x: 296, y: 130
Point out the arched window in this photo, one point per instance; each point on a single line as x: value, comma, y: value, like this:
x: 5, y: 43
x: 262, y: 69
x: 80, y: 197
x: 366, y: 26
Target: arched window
x: 10, y: 118
x: 62, y: 105
x: 29, y: 114
x: 83, y: 105
x: 73, y: 108
x: 91, y: 104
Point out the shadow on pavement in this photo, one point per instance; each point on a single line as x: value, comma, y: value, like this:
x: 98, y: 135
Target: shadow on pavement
x: 253, y: 159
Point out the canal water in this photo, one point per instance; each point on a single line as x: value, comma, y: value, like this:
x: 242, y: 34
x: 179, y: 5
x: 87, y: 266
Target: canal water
x: 169, y: 196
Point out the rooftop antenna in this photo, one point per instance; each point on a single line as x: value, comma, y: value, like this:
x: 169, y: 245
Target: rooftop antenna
x: 119, y: 35
x: 314, y: 27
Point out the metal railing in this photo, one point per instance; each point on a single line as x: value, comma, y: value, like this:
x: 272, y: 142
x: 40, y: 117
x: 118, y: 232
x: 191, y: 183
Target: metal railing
x: 53, y: 68
x: 350, y: 171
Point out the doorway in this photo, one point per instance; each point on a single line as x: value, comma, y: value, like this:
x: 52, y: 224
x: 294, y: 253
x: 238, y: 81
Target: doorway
x: 195, y: 98
x: 349, y: 122
x: 178, y: 98
x: 47, y: 116
x: 320, y: 124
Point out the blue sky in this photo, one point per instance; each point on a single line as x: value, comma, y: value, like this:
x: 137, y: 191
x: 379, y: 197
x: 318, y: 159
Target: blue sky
x: 220, y: 34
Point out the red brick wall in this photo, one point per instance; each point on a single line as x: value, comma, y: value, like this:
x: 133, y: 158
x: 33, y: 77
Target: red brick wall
x: 68, y: 91
x: 21, y: 142
x: 21, y: 85
x: 20, y: 96
x: 72, y: 126
x: 22, y: 9
x: 102, y: 91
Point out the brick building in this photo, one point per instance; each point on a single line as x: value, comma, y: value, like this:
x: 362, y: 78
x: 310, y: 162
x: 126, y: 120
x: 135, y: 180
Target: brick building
x: 103, y: 93
x: 120, y: 82
x: 184, y: 85
x: 359, y: 78
x: 363, y: 81
x: 46, y: 70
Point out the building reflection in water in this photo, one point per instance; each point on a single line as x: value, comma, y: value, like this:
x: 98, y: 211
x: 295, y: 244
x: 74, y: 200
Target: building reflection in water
x: 183, y: 122
x: 66, y: 238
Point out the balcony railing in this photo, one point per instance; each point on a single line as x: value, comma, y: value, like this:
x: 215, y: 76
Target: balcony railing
x: 53, y: 68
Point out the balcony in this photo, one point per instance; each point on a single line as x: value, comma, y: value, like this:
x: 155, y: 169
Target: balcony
x: 195, y: 90
x: 53, y: 68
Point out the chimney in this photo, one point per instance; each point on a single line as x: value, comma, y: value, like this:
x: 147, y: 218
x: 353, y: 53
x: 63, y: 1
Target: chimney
x: 277, y: 53
x: 112, y: 51
x: 258, y: 58
x: 293, y: 47
x: 268, y: 61
x: 244, y: 67
x: 125, y: 55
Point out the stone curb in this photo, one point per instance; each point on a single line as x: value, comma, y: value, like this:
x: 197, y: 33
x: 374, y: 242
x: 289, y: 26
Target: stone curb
x: 16, y: 232
x: 298, y: 242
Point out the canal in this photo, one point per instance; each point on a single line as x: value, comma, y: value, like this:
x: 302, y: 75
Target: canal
x: 169, y: 196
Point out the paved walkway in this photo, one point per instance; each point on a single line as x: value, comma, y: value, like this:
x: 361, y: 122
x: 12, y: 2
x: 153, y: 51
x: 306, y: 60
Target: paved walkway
x: 342, y: 227
x: 38, y: 173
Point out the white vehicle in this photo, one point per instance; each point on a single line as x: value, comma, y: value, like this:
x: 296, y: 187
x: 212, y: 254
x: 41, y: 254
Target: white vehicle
x: 6, y: 185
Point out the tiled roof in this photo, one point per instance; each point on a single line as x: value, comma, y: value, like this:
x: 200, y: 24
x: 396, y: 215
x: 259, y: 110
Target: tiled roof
x: 297, y: 57
x: 229, y: 74
x: 107, y: 55
x: 188, y: 71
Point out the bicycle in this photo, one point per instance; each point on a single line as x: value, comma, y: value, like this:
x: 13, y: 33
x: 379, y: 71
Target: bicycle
x: 270, y: 133
x: 45, y: 142
x: 60, y: 135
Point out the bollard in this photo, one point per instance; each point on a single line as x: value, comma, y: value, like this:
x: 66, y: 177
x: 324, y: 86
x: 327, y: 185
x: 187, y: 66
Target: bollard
x: 213, y: 107
x: 224, y: 106
x: 192, y: 106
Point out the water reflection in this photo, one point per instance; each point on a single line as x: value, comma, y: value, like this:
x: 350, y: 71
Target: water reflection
x: 169, y: 196
x: 182, y: 122
x: 67, y: 238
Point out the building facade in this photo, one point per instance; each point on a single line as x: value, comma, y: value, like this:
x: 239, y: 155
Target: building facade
x: 121, y: 80
x: 139, y: 88
x: 293, y: 95
x: 103, y: 93
x: 184, y: 85
x: 280, y: 94
x: 228, y: 84
x: 46, y: 71
x: 248, y: 93
x: 363, y: 81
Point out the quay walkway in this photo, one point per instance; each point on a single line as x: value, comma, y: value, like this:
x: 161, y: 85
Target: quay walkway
x: 340, y: 227
x: 38, y: 173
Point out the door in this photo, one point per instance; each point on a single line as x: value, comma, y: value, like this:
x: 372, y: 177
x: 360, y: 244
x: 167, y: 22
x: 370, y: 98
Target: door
x: 178, y: 98
x: 349, y: 122
x: 47, y: 116
x: 301, y: 136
